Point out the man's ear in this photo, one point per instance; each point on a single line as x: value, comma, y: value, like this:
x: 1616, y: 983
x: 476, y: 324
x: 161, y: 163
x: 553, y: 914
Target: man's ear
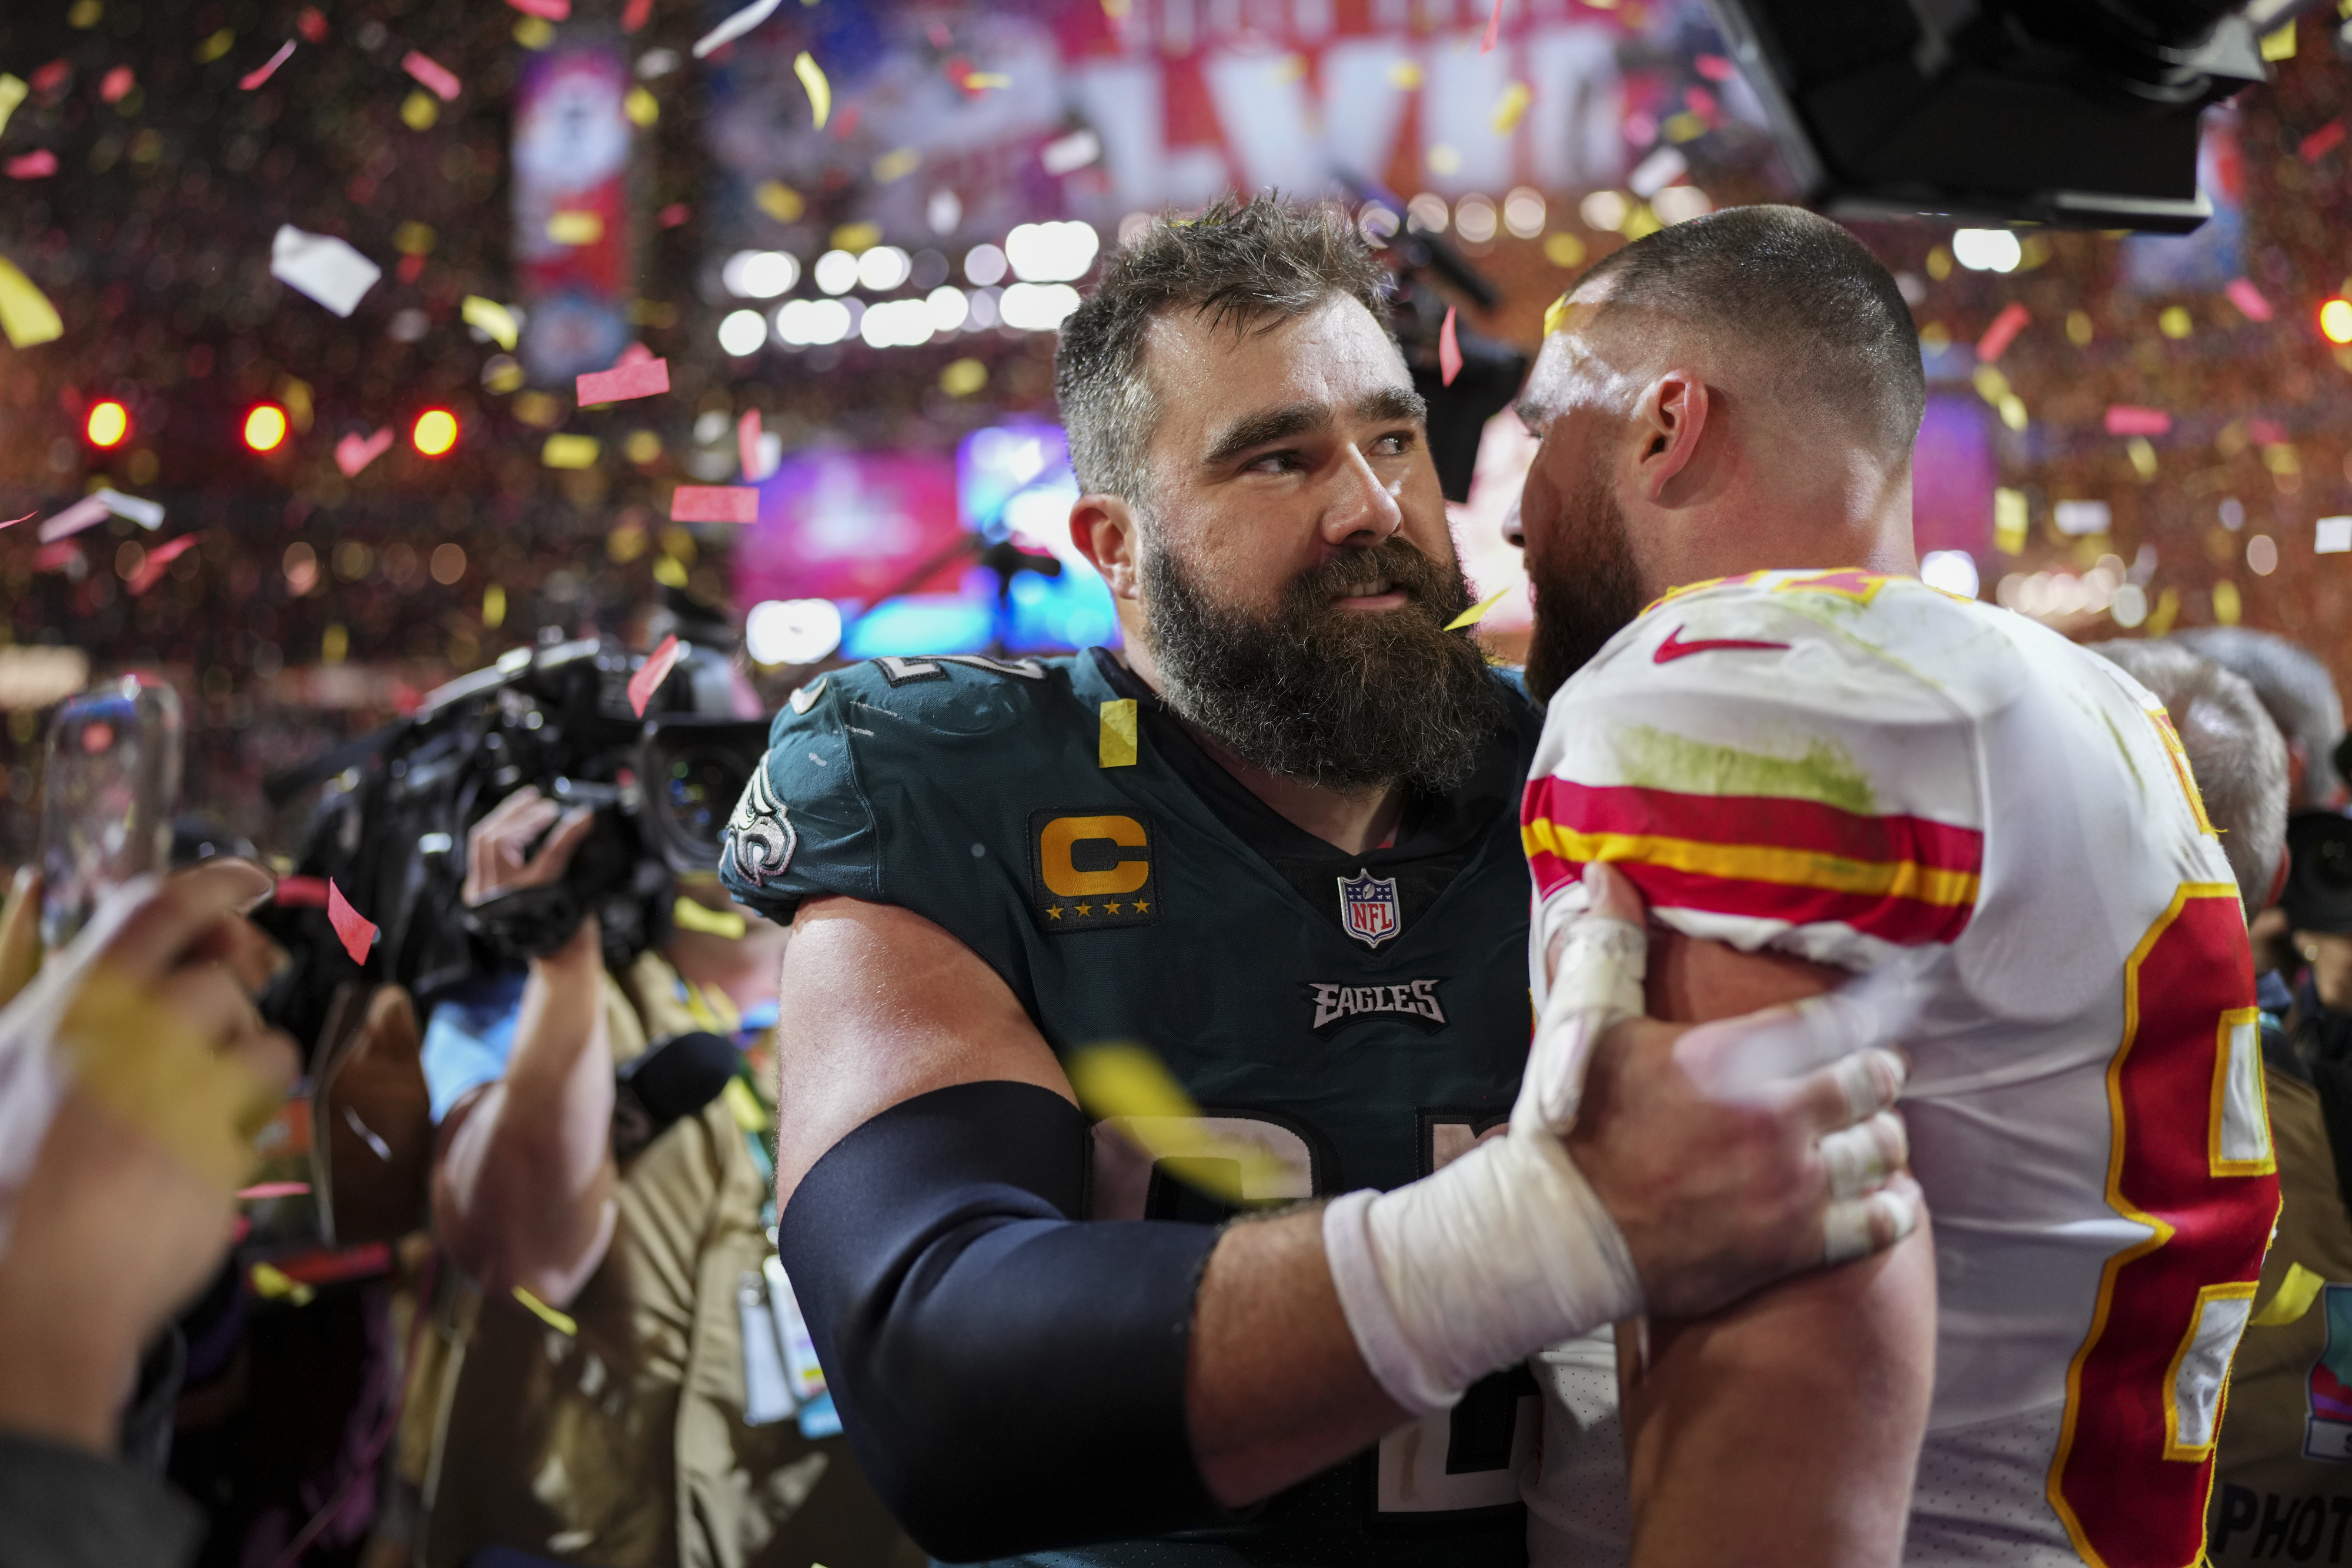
x: 1668, y: 422
x: 1107, y: 531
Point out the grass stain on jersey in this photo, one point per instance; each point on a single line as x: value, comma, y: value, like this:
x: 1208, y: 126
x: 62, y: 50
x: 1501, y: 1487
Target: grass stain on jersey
x: 1654, y: 760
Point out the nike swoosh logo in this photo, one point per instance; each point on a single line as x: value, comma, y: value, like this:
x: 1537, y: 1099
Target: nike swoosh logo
x: 1674, y: 647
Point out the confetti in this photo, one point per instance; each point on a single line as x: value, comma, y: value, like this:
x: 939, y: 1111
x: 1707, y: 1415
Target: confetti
x: 355, y: 452
x: 735, y: 26
x: 688, y: 915
x: 2248, y: 300
x: 635, y: 15
x: 35, y: 165
x: 820, y: 92
x: 1494, y: 30
x: 1129, y: 1083
x: 1554, y: 314
x: 1511, y: 108
x: 311, y: 25
x: 670, y: 216
x: 2290, y: 1300
x: 2321, y: 142
x: 276, y: 1285
x: 644, y: 379
x: 2129, y: 419
x: 12, y: 522
x: 747, y: 445
x: 545, y: 10
x: 575, y: 227
x: 323, y: 267
x: 300, y: 892
x: 2334, y: 537
x: 492, y: 318
x: 150, y: 571
x: 254, y: 78
x: 82, y: 514
x: 1449, y: 351
x: 51, y: 77
x: 779, y: 201
x: 570, y: 452
x: 2003, y: 331
x: 26, y: 317
x: 560, y: 1322
x: 146, y: 513
x: 268, y: 1189
x: 13, y: 91
x: 654, y: 672
x: 1477, y: 612
x: 354, y: 930
x: 714, y: 504
x: 116, y: 85
x: 433, y: 74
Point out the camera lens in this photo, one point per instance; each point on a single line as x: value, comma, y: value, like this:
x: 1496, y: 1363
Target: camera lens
x: 2332, y: 865
x: 701, y: 790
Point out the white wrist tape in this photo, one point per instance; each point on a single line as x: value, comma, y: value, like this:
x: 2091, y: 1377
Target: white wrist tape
x: 1503, y: 1251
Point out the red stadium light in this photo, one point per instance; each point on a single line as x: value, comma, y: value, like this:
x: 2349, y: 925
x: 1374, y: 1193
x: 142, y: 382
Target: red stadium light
x: 108, y: 423
x: 265, y: 427
x: 435, y: 433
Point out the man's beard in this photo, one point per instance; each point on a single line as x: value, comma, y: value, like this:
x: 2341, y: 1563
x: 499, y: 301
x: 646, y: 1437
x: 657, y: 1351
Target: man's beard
x: 1339, y: 698
x: 1586, y: 591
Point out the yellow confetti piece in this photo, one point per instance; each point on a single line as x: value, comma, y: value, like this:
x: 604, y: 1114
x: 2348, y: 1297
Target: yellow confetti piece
x: 1477, y: 612
x: 779, y: 201
x: 980, y: 81
x: 750, y: 1117
x: 295, y: 393
x: 2279, y: 45
x: 961, y: 377
x: 2166, y: 611
x: 419, y: 110
x: 1556, y: 314
x: 533, y: 32
x: 2013, y: 412
x: 494, y: 607
x: 561, y: 1323
x: 1683, y: 127
x: 575, y: 228
x: 858, y: 238
x: 820, y: 92
x: 12, y: 93
x: 688, y: 915
x: 641, y: 108
x: 1511, y: 108
x: 1562, y: 250
x: 1991, y: 384
x: 492, y: 318
x: 2142, y: 453
x: 2227, y: 604
x: 412, y: 238
x: 1130, y: 1083
x: 2293, y: 1298
x: 276, y: 1285
x: 2175, y: 322
x: 895, y: 165
x: 216, y: 45
x: 642, y: 446
x: 2010, y: 518
x: 570, y: 451
x: 26, y: 317
x: 1116, y: 747
x: 1405, y: 76
x: 669, y: 572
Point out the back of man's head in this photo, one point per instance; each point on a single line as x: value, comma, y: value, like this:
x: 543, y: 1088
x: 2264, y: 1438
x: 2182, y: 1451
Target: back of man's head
x: 1246, y: 264
x: 1808, y: 316
x: 2234, y: 754
x: 2294, y: 688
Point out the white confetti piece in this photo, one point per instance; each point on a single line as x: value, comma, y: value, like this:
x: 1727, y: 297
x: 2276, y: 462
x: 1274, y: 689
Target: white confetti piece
x: 322, y: 266
x: 735, y: 26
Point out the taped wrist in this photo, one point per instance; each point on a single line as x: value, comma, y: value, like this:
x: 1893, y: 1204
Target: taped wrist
x: 1010, y: 1379
x: 1503, y: 1251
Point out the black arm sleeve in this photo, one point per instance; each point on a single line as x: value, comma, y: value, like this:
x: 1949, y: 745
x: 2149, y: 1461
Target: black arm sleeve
x: 1011, y: 1377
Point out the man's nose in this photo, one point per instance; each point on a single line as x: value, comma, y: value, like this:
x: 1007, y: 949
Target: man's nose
x: 1361, y: 508
x: 1513, y: 535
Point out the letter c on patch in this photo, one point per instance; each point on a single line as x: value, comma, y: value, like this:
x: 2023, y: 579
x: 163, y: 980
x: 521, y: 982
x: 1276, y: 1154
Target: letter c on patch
x: 1063, y: 877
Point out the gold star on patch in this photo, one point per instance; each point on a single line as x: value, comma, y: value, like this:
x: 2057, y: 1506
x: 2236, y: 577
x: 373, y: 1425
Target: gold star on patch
x: 1085, y: 909
x: 1113, y: 907
x: 1141, y: 907
x: 1052, y: 912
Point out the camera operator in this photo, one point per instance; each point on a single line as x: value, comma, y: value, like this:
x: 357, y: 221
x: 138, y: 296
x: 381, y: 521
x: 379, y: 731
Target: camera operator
x: 585, y: 1392
x: 133, y: 1072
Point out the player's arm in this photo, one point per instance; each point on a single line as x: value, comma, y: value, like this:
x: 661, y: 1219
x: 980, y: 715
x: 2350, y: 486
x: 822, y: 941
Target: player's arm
x: 1783, y: 1429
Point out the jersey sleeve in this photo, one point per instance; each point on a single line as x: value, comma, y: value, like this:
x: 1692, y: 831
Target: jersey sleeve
x: 1773, y: 770
x: 803, y: 827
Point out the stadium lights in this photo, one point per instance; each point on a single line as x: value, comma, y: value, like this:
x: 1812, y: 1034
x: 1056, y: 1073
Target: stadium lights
x: 2336, y: 320
x: 108, y: 423
x: 265, y: 427
x: 435, y: 433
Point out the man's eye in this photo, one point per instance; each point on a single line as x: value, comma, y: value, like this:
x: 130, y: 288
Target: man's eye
x: 1272, y: 462
x: 1395, y: 444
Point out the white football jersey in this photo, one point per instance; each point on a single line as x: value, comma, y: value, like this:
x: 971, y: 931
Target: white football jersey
x: 1849, y: 768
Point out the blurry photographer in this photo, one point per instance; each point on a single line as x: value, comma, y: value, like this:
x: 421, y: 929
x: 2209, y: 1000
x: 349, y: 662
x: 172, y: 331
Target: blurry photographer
x: 599, y: 1182
x: 134, y: 1070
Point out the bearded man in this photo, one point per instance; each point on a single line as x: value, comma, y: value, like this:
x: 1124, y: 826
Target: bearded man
x: 1274, y: 842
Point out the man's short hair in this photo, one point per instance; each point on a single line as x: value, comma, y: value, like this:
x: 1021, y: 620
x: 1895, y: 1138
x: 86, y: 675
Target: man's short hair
x: 2234, y: 754
x: 1252, y: 263
x: 2294, y: 686
x: 1811, y: 308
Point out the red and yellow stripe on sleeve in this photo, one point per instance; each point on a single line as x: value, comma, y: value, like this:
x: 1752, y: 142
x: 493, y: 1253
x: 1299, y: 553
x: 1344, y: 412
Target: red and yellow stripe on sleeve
x: 1904, y: 879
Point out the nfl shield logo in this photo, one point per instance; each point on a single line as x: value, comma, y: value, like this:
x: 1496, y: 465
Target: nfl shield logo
x: 1367, y: 908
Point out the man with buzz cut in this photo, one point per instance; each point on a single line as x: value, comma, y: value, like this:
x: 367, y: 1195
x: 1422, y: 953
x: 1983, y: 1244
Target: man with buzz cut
x: 1810, y: 765
x: 1274, y: 841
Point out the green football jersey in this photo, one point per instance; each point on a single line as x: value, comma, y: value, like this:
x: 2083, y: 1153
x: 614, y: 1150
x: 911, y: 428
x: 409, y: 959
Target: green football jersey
x: 1360, y: 1018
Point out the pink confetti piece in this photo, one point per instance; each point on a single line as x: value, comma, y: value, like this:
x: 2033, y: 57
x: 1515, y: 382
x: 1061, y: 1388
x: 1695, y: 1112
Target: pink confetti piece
x: 643, y: 379
x: 12, y: 522
x: 634, y: 354
x: 254, y: 78
x: 714, y: 504
x: 1715, y: 67
x: 2321, y: 142
x: 116, y: 85
x: 432, y: 73
x: 2248, y: 298
x: 81, y: 515
x: 35, y: 165
x: 56, y: 557
x: 2003, y: 331
x: 353, y: 452
x: 670, y: 216
x: 1449, y: 351
x: 635, y: 15
x: 2130, y: 419
x: 653, y: 672
x: 747, y: 445
x: 311, y: 25
x: 51, y: 77
x: 300, y: 892
x: 354, y: 930
x: 2266, y: 432
x: 151, y: 571
x: 1494, y: 30
x: 266, y: 1189
x: 545, y: 10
